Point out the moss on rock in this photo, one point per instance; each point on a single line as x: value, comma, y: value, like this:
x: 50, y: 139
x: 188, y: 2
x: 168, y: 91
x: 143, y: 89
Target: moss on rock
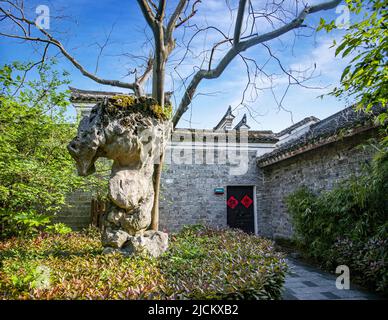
x: 122, y: 104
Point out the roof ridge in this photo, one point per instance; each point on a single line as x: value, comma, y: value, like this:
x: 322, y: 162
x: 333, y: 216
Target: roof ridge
x: 297, y: 124
x: 243, y: 122
x: 346, y: 119
x: 227, y: 114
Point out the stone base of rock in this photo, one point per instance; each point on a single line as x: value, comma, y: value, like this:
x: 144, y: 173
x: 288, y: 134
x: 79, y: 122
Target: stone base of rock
x: 152, y: 243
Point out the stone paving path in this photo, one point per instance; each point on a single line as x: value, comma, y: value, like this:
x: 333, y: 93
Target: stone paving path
x: 305, y: 282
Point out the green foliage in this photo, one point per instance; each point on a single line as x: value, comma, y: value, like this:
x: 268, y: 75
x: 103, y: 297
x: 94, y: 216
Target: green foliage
x: 349, y: 224
x: 36, y: 171
x: 366, y: 76
x: 201, y: 263
x: 58, y: 228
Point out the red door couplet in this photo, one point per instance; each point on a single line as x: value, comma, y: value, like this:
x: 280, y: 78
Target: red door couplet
x: 232, y: 202
x: 246, y: 201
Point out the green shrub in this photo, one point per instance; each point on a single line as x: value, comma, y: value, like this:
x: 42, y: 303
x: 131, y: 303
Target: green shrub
x: 368, y: 260
x: 36, y: 170
x: 349, y: 224
x: 201, y: 263
x: 58, y: 228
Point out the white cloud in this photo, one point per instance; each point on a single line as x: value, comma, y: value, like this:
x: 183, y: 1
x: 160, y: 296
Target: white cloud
x: 323, y: 58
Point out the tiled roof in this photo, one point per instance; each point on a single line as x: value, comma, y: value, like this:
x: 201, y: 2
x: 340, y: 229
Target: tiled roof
x: 297, y: 125
x: 78, y: 95
x: 228, y: 115
x: 344, y: 123
x: 91, y: 96
x: 243, y: 122
x: 254, y: 136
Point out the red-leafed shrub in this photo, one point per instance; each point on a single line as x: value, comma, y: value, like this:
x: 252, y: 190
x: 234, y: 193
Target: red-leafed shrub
x: 201, y: 264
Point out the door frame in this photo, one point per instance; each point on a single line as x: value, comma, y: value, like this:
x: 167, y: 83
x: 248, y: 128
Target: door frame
x: 254, y: 202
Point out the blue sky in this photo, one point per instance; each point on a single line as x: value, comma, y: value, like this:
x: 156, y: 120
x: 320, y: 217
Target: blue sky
x: 84, y: 23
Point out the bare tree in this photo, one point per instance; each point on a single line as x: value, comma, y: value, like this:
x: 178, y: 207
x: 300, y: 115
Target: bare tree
x: 246, y: 32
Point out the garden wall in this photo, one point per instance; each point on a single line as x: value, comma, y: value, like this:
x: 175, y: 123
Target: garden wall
x: 188, y: 197
x: 76, y: 214
x: 187, y: 194
x: 318, y: 169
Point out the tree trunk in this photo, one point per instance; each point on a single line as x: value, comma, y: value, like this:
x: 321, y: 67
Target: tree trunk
x: 158, y: 78
x: 155, y: 209
x: 158, y: 94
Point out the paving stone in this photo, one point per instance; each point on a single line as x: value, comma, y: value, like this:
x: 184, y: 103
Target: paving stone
x: 330, y: 295
x: 310, y: 296
x: 308, y: 283
x: 296, y: 285
x: 294, y: 275
x: 319, y: 289
x: 288, y: 294
x: 354, y: 293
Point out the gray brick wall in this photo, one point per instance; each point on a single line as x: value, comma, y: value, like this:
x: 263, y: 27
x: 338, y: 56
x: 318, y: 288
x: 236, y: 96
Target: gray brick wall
x: 76, y: 214
x: 318, y: 169
x: 188, y: 197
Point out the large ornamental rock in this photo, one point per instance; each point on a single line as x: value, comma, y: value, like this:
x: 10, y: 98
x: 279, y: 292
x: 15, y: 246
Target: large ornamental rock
x: 132, y: 132
x: 152, y: 242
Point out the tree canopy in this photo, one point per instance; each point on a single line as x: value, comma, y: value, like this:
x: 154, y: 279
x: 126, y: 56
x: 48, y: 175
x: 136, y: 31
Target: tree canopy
x: 36, y: 170
x: 365, y: 79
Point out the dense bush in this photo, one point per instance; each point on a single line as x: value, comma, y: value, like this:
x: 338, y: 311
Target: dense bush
x: 201, y: 263
x: 216, y: 264
x: 349, y: 224
x: 36, y: 170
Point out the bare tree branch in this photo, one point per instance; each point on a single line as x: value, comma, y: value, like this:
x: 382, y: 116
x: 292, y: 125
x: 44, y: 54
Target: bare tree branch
x: 240, y: 17
x: 102, y: 47
x: 192, y: 14
x: 240, y: 47
x: 153, y: 5
x: 49, y: 39
x: 173, y: 19
x: 147, y: 12
x: 161, y: 10
x: 140, y: 81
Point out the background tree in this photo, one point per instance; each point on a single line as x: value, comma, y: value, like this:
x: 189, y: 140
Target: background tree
x: 365, y: 79
x: 36, y: 171
x: 250, y: 28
